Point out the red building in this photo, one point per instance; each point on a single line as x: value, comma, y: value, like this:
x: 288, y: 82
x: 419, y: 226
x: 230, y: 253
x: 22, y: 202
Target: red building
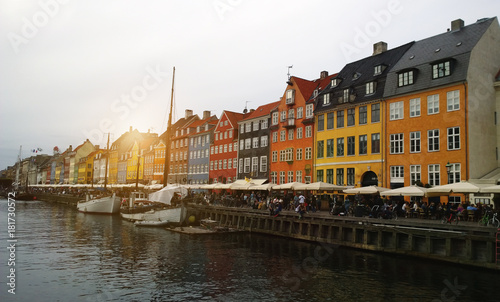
x: 224, y: 151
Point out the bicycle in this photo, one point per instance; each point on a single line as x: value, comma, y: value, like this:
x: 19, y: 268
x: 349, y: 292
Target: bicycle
x: 485, y: 220
x: 452, y: 218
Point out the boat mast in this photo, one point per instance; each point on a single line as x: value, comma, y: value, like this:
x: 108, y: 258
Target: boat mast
x: 167, y: 140
x: 106, y: 167
x: 16, y: 185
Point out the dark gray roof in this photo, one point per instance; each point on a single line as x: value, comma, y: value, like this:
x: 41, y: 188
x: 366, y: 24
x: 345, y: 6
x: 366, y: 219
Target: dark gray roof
x: 455, y: 45
x: 364, y: 69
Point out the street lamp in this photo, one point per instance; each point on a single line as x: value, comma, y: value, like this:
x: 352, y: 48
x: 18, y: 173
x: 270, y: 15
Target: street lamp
x: 448, y: 168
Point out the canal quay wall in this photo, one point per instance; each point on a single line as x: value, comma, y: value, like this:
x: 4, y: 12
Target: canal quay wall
x: 466, y: 243
x: 59, y: 198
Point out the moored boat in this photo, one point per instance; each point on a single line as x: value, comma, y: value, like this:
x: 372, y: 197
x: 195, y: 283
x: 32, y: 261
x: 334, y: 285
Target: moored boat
x: 152, y: 223
x: 103, y: 205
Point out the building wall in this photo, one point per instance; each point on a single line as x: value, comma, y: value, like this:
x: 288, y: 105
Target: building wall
x: 260, y: 151
x: 220, y: 140
x: 198, y: 166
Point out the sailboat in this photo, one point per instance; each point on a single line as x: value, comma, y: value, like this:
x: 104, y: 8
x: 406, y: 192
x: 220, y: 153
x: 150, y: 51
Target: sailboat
x: 159, y: 207
x: 19, y: 195
x: 104, y: 204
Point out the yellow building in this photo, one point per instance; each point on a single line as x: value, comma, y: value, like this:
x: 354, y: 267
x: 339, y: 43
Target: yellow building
x: 349, y: 132
x: 132, y: 160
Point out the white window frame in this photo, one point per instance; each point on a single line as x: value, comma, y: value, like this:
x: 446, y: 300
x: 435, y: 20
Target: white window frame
x: 415, y: 174
x: 452, y: 138
x: 308, y: 153
x: 255, y: 142
x: 308, y: 131
x: 300, y: 112
x: 432, y: 137
x: 433, y: 104
x: 309, y: 110
x: 433, y: 171
x: 453, y: 100
x: 397, y: 143
x: 263, y: 164
x: 415, y: 142
x: 263, y: 141
x: 415, y: 107
x: 396, y: 110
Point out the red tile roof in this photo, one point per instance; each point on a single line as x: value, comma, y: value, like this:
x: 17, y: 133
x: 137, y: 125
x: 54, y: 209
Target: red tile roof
x: 262, y: 110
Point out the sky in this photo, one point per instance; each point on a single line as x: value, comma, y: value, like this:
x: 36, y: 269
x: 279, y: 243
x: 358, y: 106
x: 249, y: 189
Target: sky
x: 75, y: 70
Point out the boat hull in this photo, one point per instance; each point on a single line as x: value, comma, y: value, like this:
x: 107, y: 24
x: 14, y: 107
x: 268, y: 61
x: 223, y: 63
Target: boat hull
x: 148, y: 223
x: 172, y: 215
x: 104, y: 205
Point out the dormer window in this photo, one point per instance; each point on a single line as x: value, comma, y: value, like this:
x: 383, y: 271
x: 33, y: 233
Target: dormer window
x: 290, y: 96
x: 440, y: 70
x: 315, y: 93
x: 378, y: 69
x: 182, y: 131
x: 335, y: 82
x: 405, y: 78
x: 370, y: 88
x: 326, y: 99
x: 356, y: 76
x: 345, y: 97
x: 198, y: 129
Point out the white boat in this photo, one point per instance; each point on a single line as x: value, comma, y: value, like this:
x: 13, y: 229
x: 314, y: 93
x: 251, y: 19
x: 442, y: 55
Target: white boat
x: 157, y: 223
x: 174, y: 215
x: 104, y: 205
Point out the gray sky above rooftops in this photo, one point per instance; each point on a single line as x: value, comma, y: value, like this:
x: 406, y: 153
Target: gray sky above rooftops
x: 73, y: 70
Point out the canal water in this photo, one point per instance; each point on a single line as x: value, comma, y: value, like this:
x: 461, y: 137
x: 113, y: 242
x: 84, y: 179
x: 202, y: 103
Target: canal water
x: 64, y: 255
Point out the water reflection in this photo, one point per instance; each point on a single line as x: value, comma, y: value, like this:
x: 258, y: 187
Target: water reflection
x: 66, y: 255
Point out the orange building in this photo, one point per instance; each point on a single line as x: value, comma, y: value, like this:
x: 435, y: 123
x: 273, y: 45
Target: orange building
x: 292, y: 129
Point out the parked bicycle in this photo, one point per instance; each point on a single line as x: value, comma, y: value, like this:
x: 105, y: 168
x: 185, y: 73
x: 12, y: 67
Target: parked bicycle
x: 490, y: 218
x: 451, y: 218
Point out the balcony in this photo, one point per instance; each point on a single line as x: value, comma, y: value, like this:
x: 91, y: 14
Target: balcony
x: 289, y: 123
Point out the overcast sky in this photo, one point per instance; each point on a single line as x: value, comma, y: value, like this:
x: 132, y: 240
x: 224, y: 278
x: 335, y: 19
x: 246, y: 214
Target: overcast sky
x: 72, y: 70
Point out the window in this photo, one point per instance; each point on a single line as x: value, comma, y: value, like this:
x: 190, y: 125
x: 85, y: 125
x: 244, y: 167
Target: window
x: 230, y: 134
x: 329, y: 147
x: 229, y: 164
x: 370, y: 88
x: 288, y: 154
x: 340, y: 177
x: 263, y: 141
x: 340, y: 119
x: 433, y: 104
x: 321, y: 122
x: 275, y: 118
x: 350, y: 117
x: 225, y: 148
x: 290, y: 176
x: 363, y: 115
x: 433, y: 140
x: 255, y: 164
x: 282, y: 135
x: 454, y: 138
x: 248, y: 143
x: 230, y: 147
x: 309, y: 110
x: 453, y: 100
x: 363, y: 145
x: 211, y: 165
x: 255, y: 142
x: 441, y: 70
x: 351, y: 145
x: 283, y: 116
x: 415, y: 107
x: 274, y: 177
x: 248, y: 127
x: 256, y: 126
x: 326, y: 99
x: 320, y: 151
x: 415, y: 142
x: 340, y: 146
x: 375, y: 143
x: 334, y: 82
x: 375, y: 113
x: 291, y: 113
x: 225, y: 134
x: 274, y: 156
x: 246, y: 167
x: 433, y: 175
x: 298, y: 154
x: 396, y: 110
x: 329, y: 121
x: 300, y: 112
x: 225, y: 164
x: 216, y: 164
x: 308, y: 154
x: 454, y: 175
x: 263, y: 164
x: 290, y: 134
x: 329, y: 176
x: 263, y: 124
x: 308, y: 131
x: 350, y: 176
x: 319, y: 175
x: 377, y: 70
x: 345, y: 97
x: 242, y: 145
x: 290, y: 96
x: 298, y: 176
x: 282, y: 177
x: 396, y: 143
x: 397, y: 173
x: 405, y: 78
x: 414, y: 174
x: 275, y: 136
x: 299, y: 132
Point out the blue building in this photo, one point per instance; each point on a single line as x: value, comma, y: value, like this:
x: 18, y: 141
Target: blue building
x: 200, y: 138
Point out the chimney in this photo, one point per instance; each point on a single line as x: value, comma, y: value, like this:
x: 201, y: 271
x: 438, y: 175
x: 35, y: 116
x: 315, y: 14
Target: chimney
x: 323, y: 75
x: 379, y: 48
x: 189, y: 113
x: 130, y: 129
x: 457, y: 24
x: 96, y: 147
x: 206, y: 114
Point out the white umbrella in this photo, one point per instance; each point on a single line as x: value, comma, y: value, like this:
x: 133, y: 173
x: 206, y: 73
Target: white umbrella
x: 458, y: 187
x: 490, y: 189
x: 365, y: 190
x: 321, y: 186
x: 264, y: 187
x: 288, y: 186
x: 406, y: 191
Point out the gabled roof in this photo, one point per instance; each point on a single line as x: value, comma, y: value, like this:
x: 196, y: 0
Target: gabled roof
x: 456, y: 45
x: 261, y: 111
x: 356, y: 75
x: 234, y: 117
